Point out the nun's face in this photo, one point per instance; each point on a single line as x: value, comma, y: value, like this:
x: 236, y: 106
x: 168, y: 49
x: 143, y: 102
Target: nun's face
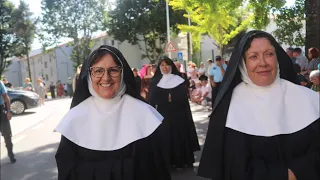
x: 107, y: 85
x: 165, y: 68
x: 261, y: 62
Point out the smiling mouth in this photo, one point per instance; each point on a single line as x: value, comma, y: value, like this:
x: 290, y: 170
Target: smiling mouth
x: 108, y: 85
x: 264, y: 72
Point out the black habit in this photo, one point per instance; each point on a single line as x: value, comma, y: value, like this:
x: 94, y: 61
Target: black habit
x: 233, y: 155
x: 139, y: 160
x: 178, y: 133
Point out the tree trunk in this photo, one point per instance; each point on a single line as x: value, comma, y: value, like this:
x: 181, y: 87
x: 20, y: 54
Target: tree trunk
x: 312, y: 24
x: 29, y: 68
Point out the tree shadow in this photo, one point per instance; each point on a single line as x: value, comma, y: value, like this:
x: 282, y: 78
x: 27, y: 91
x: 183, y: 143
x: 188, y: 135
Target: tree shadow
x: 24, y: 114
x: 36, y: 164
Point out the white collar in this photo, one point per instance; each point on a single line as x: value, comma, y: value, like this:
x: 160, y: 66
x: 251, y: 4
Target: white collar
x: 107, y: 125
x: 281, y: 108
x: 169, y: 81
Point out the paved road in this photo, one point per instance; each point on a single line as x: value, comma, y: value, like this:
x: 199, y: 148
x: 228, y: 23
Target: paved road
x: 35, y: 143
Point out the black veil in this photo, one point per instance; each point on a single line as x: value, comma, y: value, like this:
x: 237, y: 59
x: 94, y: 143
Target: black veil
x: 82, y: 90
x: 158, y: 75
x: 213, y: 152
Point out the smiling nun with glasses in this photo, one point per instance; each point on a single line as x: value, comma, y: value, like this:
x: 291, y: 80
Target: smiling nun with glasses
x: 109, y: 133
x: 264, y: 126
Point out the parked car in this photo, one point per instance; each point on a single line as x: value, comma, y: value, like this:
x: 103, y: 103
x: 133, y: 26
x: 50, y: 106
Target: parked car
x: 22, y: 100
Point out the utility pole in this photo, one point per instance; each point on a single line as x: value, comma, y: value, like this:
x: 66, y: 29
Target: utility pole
x: 168, y: 26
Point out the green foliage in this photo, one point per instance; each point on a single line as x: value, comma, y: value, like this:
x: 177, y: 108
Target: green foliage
x: 223, y: 20
x: 143, y: 23
x: 290, y: 24
x: 72, y: 19
x: 8, y: 40
x: 25, y: 30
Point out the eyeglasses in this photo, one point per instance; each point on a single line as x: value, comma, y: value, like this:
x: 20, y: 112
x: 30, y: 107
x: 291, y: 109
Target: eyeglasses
x: 98, y: 72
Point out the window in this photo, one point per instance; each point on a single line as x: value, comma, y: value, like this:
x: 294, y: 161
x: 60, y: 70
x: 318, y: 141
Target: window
x: 112, y: 42
x: 45, y: 64
x: 51, y: 71
x: 47, y: 77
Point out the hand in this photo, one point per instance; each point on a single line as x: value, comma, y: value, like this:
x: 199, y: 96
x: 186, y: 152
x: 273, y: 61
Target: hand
x: 213, y: 84
x: 291, y: 175
x: 9, y: 115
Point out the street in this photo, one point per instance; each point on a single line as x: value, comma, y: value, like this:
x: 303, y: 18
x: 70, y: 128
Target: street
x: 35, y: 143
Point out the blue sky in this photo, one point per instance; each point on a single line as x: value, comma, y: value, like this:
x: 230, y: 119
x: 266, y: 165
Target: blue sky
x: 35, y: 7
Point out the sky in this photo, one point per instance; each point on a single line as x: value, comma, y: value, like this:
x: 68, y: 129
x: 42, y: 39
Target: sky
x: 35, y: 7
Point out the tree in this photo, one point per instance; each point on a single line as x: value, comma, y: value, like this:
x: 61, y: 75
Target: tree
x: 24, y: 28
x: 72, y: 19
x: 312, y: 24
x: 222, y: 20
x: 143, y: 23
x: 290, y: 21
x: 8, y: 40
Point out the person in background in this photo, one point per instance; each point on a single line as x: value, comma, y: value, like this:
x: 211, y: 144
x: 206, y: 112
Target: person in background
x: 5, y: 128
x: 7, y: 84
x: 27, y: 86
x: 210, y: 66
x: 315, y: 79
x: 289, y: 52
x: 192, y: 85
x: 146, y: 76
x: 69, y: 88
x: 196, y: 93
x: 216, y: 76
x: 65, y: 88
x: 169, y: 96
x: 202, y: 69
x: 153, y: 68
x: 314, y: 56
x: 184, y: 76
x: 40, y: 90
x: 300, y: 58
x: 205, y: 91
x: 137, y: 79
x: 76, y: 77
x: 302, y: 79
x: 52, y: 90
x: 60, y: 89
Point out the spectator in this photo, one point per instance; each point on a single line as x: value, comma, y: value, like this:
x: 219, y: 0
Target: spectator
x: 40, y: 90
x: 196, y: 93
x: 52, y: 90
x: 290, y: 54
x: 313, y: 54
x: 137, y: 79
x: 28, y: 85
x: 302, y: 79
x: 315, y: 79
x: 7, y: 84
x: 202, y: 69
x: 300, y: 58
x: 205, y: 91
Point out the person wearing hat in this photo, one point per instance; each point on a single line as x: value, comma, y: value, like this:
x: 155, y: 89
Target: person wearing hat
x: 216, y: 76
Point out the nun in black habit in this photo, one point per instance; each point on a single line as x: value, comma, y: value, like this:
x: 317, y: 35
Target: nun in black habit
x: 109, y: 133
x: 169, y: 96
x: 264, y: 125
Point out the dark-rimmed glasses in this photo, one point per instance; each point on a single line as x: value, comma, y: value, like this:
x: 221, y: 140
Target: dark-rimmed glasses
x: 98, y: 72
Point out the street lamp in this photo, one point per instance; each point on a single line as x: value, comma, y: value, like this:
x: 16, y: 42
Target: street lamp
x: 168, y: 26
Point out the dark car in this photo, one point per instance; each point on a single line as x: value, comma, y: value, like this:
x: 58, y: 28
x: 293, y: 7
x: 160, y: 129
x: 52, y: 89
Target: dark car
x: 22, y: 100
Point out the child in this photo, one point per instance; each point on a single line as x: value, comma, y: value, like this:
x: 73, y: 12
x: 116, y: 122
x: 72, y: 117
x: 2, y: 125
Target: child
x: 196, y: 94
